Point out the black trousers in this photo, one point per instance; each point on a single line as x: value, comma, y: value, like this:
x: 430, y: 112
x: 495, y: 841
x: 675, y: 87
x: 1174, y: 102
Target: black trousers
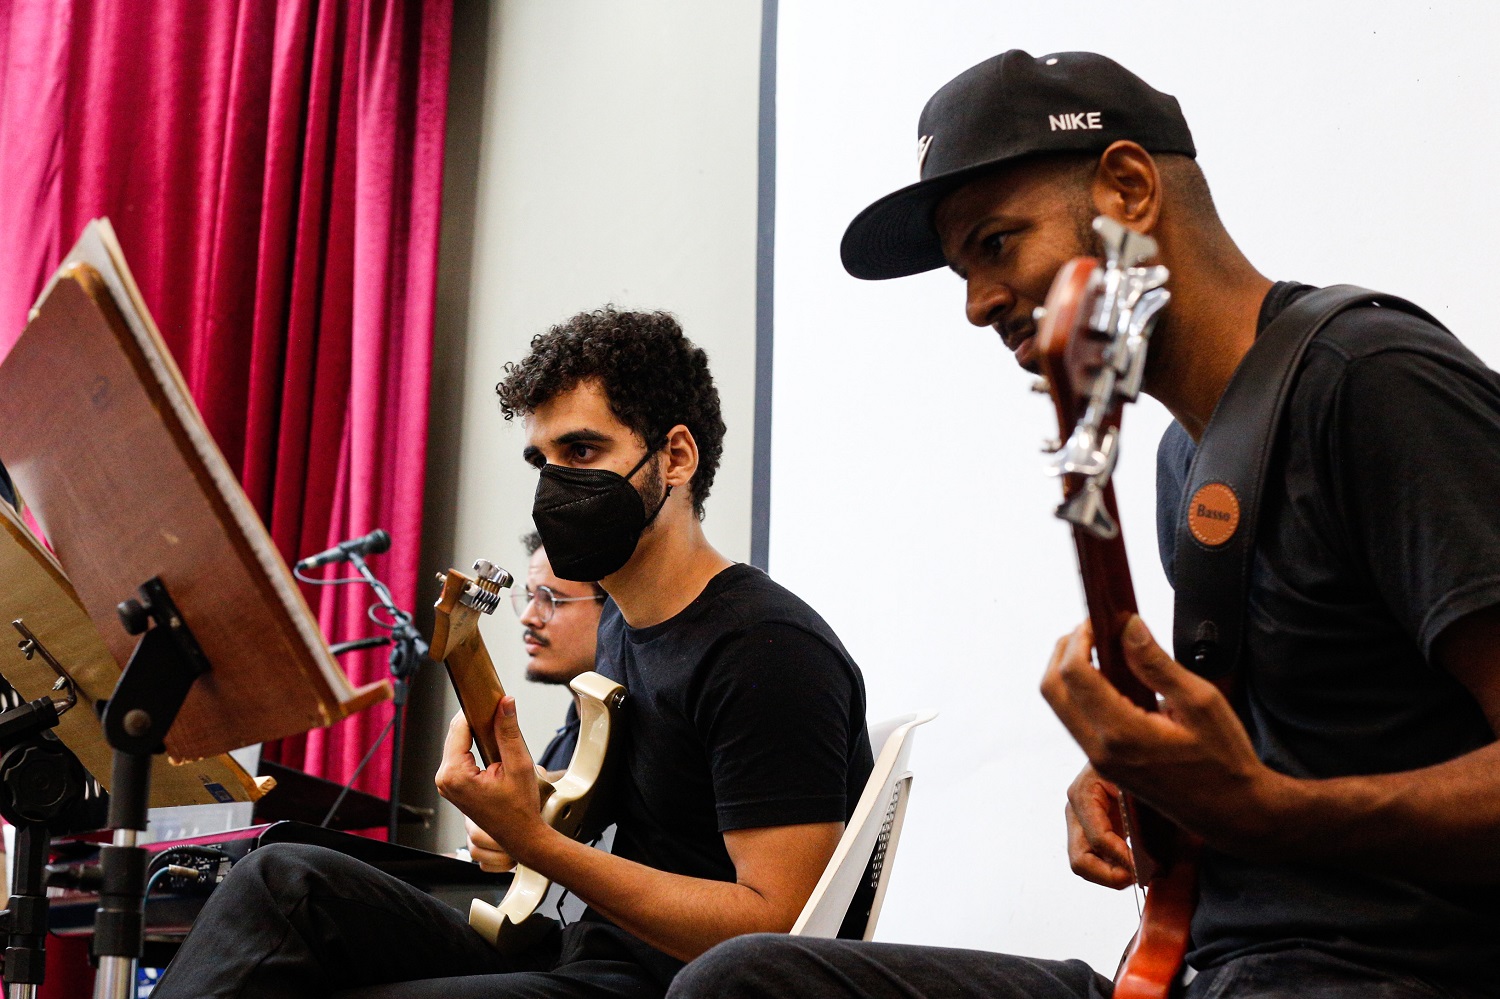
x: 767, y: 966
x: 293, y: 921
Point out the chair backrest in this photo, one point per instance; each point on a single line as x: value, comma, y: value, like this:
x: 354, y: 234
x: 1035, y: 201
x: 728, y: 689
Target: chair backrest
x: 846, y: 902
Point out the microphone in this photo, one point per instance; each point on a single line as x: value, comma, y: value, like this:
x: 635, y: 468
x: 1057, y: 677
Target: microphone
x: 374, y: 543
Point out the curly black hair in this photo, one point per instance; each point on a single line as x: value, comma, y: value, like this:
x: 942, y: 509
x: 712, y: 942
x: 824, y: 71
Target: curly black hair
x: 653, y: 376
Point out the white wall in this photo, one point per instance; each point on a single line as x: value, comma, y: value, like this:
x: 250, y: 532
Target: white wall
x: 1343, y: 143
x: 598, y: 152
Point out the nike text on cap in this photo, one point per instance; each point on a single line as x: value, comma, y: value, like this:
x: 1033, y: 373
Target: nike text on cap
x: 1007, y: 107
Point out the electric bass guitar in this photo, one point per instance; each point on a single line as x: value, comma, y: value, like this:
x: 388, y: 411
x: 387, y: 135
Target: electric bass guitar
x: 456, y: 643
x: 1092, y: 335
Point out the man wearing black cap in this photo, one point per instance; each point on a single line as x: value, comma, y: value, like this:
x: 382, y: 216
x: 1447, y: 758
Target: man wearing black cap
x: 1349, y: 798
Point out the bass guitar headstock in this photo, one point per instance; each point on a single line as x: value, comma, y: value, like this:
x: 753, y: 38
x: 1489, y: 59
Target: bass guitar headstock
x: 457, y: 644
x: 1091, y: 339
x: 464, y: 598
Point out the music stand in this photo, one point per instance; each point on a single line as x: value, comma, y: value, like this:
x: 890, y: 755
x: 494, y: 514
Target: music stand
x: 42, y: 788
x: 167, y: 555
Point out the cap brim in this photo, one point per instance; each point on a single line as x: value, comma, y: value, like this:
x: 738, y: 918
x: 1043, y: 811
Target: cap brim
x: 895, y: 236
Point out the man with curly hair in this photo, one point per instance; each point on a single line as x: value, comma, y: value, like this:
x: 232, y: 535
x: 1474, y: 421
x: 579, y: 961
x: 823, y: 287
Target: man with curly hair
x: 745, y: 748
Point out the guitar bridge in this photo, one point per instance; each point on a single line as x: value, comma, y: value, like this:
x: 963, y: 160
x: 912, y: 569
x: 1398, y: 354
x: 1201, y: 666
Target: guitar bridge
x: 483, y: 594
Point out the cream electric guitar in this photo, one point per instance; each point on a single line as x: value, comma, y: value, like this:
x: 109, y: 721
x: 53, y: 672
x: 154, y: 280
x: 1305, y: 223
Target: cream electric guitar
x: 566, y: 796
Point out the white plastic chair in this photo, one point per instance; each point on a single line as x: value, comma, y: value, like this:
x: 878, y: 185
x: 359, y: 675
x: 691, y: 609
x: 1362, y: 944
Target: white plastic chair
x: 846, y: 902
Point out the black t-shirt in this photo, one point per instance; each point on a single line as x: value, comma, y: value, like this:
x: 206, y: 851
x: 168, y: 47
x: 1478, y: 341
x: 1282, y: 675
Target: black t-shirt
x: 742, y: 711
x: 559, y: 751
x: 1378, y: 530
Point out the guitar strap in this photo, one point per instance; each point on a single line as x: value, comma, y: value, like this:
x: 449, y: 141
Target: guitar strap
x: 1221, y: 504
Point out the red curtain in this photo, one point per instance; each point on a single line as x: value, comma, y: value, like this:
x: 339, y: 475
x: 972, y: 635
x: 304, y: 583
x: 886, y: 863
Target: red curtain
x: 274, y: 172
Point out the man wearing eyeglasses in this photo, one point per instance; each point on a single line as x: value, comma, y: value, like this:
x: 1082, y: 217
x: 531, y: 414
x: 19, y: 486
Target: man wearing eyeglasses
x: 561, y: 619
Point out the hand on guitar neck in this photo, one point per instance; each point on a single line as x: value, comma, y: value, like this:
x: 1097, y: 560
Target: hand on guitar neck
x: 1192, y: 760
x: 503, y: 799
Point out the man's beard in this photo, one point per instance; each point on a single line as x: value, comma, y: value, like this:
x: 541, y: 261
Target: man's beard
x: 546, y: 679
x: 653, y: 493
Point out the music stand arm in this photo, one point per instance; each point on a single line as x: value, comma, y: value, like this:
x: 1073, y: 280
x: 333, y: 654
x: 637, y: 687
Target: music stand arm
x: 408, y: 649
x: 146, y: 700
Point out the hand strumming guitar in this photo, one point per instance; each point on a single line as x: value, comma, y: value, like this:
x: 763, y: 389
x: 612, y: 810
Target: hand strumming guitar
x: 1192, y: 760
x: 1097, y: 850
x: 485, y: 851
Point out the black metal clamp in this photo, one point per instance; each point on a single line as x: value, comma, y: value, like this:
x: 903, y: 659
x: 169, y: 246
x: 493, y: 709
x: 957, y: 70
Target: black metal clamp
x: 42, y: 785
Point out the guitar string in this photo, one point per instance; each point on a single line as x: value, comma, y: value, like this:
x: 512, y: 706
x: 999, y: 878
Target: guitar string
x: 1135, y: 872
x: 1130, y: 841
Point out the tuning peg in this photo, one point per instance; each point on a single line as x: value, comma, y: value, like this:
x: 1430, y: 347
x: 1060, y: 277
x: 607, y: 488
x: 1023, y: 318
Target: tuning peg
x: 1051, y: 445
x: 1123, y: 247
x: 1042, y: 386
x: 1086, y: 509
x: 492, y: 573
x: 1039, y: 313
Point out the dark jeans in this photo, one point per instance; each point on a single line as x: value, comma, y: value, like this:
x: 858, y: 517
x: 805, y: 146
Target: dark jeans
x: 296, y: 921
x: 766, y: 966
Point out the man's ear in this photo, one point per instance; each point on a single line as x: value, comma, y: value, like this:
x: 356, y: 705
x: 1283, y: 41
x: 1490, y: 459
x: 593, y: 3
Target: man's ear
x: 1127, y: 186
x: 682, y: 457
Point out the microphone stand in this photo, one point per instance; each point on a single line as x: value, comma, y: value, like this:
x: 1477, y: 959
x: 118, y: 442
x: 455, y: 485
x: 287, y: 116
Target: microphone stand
x: 407, y: 652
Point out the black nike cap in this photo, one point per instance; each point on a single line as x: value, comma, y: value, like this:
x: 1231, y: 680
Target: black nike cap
x: 1007, y: 107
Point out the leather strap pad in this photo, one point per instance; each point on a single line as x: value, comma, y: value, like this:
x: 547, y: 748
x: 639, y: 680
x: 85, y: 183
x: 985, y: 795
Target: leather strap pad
x: 1221, y: 504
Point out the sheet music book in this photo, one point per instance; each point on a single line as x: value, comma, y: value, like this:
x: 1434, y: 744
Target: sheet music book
x: 102, y: 438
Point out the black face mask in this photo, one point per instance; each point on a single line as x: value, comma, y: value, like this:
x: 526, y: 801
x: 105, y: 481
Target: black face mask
x: 590, y: 519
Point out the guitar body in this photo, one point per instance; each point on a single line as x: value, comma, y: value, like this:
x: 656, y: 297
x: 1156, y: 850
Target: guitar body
x: 1091, y: 342
x: 1153, y: 962
x: 566, y: 797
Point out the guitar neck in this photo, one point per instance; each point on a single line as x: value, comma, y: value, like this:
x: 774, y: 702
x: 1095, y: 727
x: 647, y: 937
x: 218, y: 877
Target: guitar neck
x: 1110, y: 594
x: 475, y: 681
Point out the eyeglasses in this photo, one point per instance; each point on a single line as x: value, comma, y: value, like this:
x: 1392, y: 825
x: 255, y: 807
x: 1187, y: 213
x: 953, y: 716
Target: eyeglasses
x: 546, y: 601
